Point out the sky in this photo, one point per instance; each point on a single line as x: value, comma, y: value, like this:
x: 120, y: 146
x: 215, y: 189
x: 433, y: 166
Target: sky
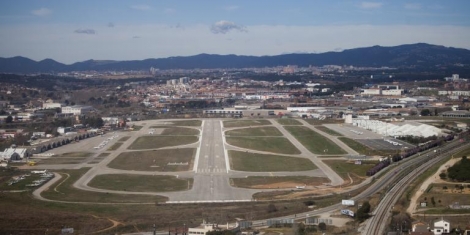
x: 71, y: 31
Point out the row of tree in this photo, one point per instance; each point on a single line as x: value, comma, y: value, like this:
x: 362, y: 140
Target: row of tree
x: 460, y: 171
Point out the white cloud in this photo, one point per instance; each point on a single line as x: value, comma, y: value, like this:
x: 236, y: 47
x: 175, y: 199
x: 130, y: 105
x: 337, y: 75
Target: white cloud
x: 231, y: 8
x: 224, y: 27
x: 41, y: 12
x: 110, y: 24
x: 141, y: 7
x: 371, y: 5
x: 412, y: 6
x: 85, y: 31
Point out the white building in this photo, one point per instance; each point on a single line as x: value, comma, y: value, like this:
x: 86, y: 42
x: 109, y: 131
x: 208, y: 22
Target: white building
x: 77, y: 109
x: 441, y: 226
x: 14, y: 154
x: 454, y: 93
x: 207, y: 227
x: 51, y: 105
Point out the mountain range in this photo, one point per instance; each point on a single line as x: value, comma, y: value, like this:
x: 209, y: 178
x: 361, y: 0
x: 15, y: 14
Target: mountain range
x: 410, y: 55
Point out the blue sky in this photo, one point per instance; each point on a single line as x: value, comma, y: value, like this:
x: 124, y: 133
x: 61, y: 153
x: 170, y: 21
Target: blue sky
x: 71, y: 31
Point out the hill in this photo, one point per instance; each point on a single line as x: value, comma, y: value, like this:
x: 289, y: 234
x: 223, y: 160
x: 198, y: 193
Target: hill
x: 412, y: 55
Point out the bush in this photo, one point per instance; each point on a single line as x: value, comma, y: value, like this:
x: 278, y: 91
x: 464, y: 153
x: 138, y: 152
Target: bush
x: 443, y: 175
x: 271, y: 208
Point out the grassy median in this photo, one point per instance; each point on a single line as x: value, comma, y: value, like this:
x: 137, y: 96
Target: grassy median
x: 243, y: 161
x: 313, y: 141
x: 268, y: 144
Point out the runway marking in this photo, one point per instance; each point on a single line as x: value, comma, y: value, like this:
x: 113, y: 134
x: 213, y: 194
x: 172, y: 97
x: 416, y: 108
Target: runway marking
x: 207, y: 144
x: 227, y: 165
x: 206, y: 156
x: 217, y: 156
x: 198, y: 151
x: 271, y: 174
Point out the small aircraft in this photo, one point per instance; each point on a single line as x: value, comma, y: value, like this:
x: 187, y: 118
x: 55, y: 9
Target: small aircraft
x: 300, y: 187
x: 39, y: 172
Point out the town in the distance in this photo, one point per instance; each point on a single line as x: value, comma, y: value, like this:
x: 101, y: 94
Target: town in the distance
x: 285, y: 149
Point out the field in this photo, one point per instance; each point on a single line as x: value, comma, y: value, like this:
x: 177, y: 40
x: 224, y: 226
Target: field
x: 364, y: 150
x: 445, y: 197
x: 313, y: 141
x: 269, y: 144
x: 21, y: 184
x: 265, y: 182
x: 242, y: 161
x: 63, y: 190
x: 178, y: 131
x: 136, y: 128
x: 114, y: 146
x: 99, y: 158
x: 246, y: 123
x: 328, y: 130
x: 66, y: 158
x: 124, y: 138
x: 156, y: 160
x: 321, y: 122
x: 141, y: 183
x: 153, y: 142
x: 186, y: 123
x: 256, y: 131
x: 346, y: 169
x: 288, y: 122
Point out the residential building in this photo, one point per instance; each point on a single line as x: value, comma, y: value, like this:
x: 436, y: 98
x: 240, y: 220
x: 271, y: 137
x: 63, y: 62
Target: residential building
x: 77, y: 109
x: 441, y: 227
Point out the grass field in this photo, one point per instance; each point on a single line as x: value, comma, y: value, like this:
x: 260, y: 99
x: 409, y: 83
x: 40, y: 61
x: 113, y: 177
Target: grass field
x: 124, y: 138
x: 136, y: 128
x: 177, y: 130
x: 155, y: 160
x: 7, y: 175
x: 63, y: 190
x: 99, y: 158
x: 246, y: 123
x: 255, y: 131
x: 243, y: 161
x: 141, y: 183
x: 313, y: 141
x: 186, y: 123
x: 66, y: 158
x: 342, y: 168
x: 263, y: 182
x: 269, y: 144
x: 288, y: 122
x: 445, y: 197
x: 114, y: 146
x: 321, y: 122
x: 364, y: 150
x: 153, y: 142
x: 328, y: 130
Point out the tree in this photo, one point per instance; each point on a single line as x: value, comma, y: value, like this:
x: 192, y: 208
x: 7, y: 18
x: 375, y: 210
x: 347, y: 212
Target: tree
x: 433, y: 201
x: 444, y: 187
x: 425, y: 112
x: 9, y: 119
x: 363, y: 212
x: 271, y: 208
x: 443, y: 175
x: 322, y: 226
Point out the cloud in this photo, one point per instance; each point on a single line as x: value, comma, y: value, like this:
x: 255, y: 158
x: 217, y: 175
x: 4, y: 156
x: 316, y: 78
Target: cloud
x: 41, y: 12
x: 224, y: 27
x: 169, y: 10
x: 141, y: 7
x: 85, y: 31
x: 412, y: 6
x: 231, y: 8
x: 110, y: 24
x: 136, y: 37
x: 371, y: 5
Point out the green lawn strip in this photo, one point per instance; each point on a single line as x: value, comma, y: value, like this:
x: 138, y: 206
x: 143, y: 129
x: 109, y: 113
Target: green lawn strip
x: 114, y: 146
x: 313, y: 141
x: 447, y: 210
x: 245, y: 123
x: 177, y: 130
x: 364, y: 150
x: 63, y: 190
x: 328, y: 130
x: 141, y: 183
x: 269, y: 144
x: 330, y: 156
x: 263, y: 181
x: 73, y: 155
x: 51, y: 161
x: 186, y: 123
x: 243, y: 161
x: 136, y: 128
x: 124, y: 138
x: 342, y: 167
x: 255, y: 131
x: 321, y: 122
x: 151, y: 142
x: 157, y: 160
x: 288, y: 122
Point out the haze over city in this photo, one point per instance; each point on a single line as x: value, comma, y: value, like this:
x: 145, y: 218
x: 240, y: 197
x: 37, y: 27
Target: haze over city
x: 74, y: 31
